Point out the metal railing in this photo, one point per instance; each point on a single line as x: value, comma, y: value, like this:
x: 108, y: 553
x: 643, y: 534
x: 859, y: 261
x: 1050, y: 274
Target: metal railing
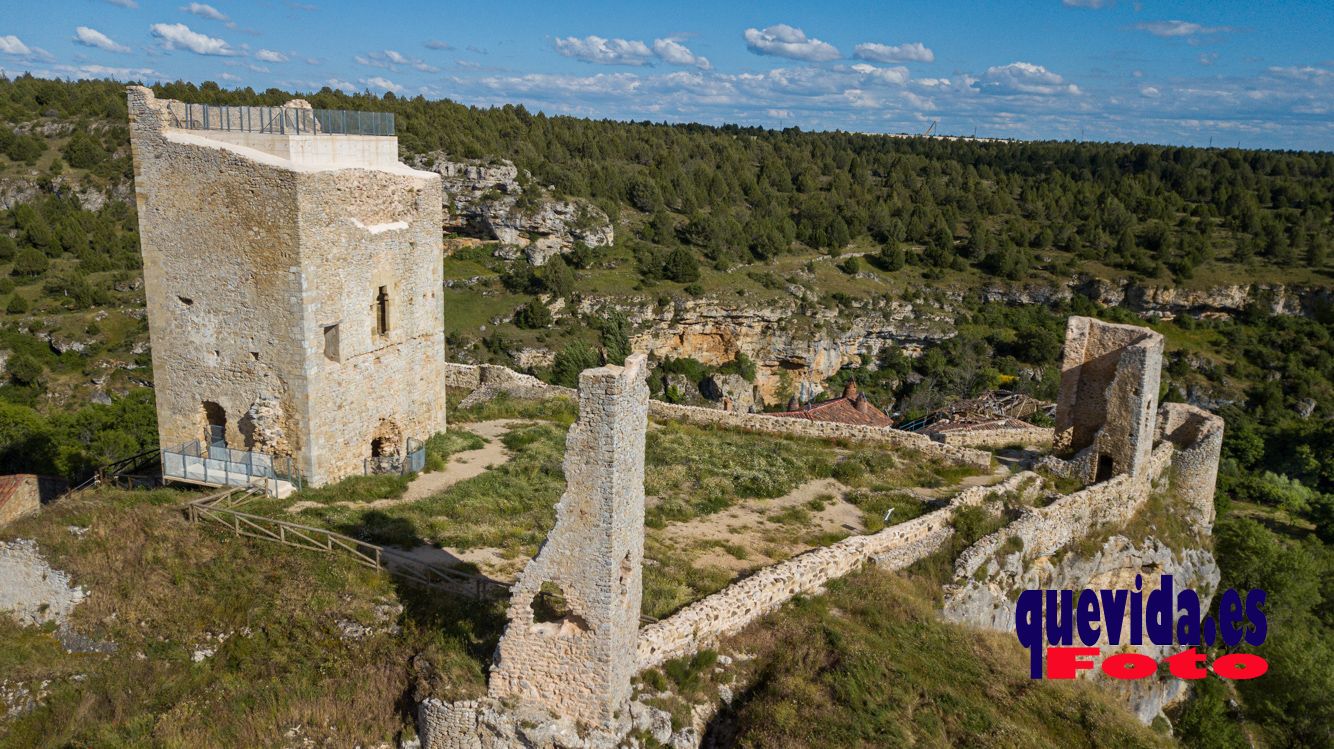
x: 220, y: 509
x: 280, y: 120
x: 218, y: 465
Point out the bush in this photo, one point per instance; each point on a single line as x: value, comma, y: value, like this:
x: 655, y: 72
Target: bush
x: 24, y: 370
x: 17, y: 305
x: 30, y: 262
x: 681, y: 266
x: 533, y: 316
x: 572, y: 360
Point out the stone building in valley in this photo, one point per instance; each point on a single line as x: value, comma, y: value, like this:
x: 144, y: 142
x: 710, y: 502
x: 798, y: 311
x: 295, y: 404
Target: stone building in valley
x: 292, y: 269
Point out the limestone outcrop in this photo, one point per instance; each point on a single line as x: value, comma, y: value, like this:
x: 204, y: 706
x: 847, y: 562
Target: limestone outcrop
x: 490, y: 200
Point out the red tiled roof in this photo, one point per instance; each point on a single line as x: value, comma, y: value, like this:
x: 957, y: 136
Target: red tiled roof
x: 840, y: 411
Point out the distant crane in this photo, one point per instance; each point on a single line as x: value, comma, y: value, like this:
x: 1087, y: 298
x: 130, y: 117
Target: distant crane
x: 931, y: 128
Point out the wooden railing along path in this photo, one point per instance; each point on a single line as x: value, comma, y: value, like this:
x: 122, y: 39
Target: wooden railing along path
x: 220, y: 508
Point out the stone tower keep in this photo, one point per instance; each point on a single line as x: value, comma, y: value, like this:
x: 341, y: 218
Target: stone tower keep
x: 575, y: 656
x: 293, y: 281
x: 1108, y: 401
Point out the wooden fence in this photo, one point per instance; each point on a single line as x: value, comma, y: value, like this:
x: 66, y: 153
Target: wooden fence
x: 220, y: 508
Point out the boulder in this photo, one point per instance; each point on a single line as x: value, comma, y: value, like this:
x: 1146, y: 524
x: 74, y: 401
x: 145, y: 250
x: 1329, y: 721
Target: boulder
x: 731, y: 389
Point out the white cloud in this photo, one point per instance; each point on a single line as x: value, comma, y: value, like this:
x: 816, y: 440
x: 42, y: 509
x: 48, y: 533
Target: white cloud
x: 391, y: 59
x: 1169, y: 29
x: 382, y: 83
x: 895, y: 76
x: 94, y: 38
x: 1150, y: 92
x: 205, y: 11
x: 912, y: 52
x: 229, y: 77
x: 1019, y: 78
x: 131, y: 4
x: 781, y: 40
x: 437, y: 44
x: 1094, y: 4
x: 12, y: 45
x: 179, y: 36
x: 268, y: 55
x: 596, y: 49
x: 341, y: 85
x: 673, y: 52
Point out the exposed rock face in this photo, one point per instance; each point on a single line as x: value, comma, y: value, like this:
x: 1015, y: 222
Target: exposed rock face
x: 732, y: 392
x: 988, y: 603
x: 1169, y: 301
x: 30, y: 590
x: 791, y: 350
x: 487, y: 200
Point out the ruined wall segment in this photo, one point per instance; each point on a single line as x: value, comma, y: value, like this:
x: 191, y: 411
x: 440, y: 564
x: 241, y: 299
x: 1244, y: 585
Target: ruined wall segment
x: 579, y: 664
x: 1108, y: 397
x: 262, y: 275
x: 1198, y: 438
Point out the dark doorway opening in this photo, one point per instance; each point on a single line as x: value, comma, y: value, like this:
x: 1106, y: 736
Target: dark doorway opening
x: 215, y: 416
x: 1105, y: 466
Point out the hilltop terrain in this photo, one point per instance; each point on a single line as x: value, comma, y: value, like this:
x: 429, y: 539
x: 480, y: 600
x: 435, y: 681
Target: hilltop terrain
x: 926, y: 270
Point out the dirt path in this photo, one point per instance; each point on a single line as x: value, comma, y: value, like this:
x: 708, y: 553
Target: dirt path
x: 460, y: 467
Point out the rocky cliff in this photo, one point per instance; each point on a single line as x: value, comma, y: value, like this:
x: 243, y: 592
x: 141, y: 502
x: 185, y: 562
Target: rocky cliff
x: 490, y: 200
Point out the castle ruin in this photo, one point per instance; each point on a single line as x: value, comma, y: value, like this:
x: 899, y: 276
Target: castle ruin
x: 293, y: 273
x: 1108, y: 401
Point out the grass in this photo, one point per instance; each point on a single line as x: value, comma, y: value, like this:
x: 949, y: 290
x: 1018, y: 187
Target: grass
x: 162, y: 588
x: 871, y: 664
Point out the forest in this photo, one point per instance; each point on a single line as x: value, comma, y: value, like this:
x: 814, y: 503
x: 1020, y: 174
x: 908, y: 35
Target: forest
x: 693, y: 203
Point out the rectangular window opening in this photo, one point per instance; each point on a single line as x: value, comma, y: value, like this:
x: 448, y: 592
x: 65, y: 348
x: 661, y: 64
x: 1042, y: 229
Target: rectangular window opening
x: 331, y: 342
x: 382, y: 311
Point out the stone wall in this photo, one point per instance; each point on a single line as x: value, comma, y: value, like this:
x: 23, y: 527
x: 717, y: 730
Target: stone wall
x: 462, y: 376
x: 1108, y: 397
x: 23, y: 494
x: 1198, y: 437
x: 996, y: 438
x: 493, y: 379
x: 261, y: 277
x: 579, y: 662
x: 731, y: 609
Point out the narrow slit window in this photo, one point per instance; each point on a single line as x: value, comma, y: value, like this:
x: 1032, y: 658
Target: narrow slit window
x: 382, y: 311
x: 331, y: 342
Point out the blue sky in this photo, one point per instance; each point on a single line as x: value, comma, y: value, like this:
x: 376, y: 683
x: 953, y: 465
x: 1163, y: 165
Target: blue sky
x: 1258, y: 74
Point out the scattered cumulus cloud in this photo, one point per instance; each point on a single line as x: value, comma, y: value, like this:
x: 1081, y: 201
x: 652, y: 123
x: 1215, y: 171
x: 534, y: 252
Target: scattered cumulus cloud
x: 205, y: 11
x: 1023, y: 78
x: 1094, y: 4
x: 382, y: 83
x: 895, y: 76
x: 1151, y: 92
x: 179, y: 36
x: 341, y: 85
x: 673, y: 52
x: 912, y: 52
x: 131, y: 4
x: 781, y: 40
x: 596, y: 49
x: 601, y: 51
x: 268, y: 55
x: 437, y: 44
x: 13, y: 46
x: 1171, y: 29
x: 94, y: 38
x: 392, y: 59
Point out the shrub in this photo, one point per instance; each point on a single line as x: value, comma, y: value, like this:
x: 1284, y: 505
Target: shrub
x: 681, y: 266
x: 532, y: 316
x: 24, y: 370
x: 572, y: 360
x: 30, y: 262
x: 17, y: 305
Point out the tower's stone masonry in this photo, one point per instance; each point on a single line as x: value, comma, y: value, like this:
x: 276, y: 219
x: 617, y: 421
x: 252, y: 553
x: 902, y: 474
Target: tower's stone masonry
x: 1108, y: 399
x: 579, y: 662
x: 293, y: 289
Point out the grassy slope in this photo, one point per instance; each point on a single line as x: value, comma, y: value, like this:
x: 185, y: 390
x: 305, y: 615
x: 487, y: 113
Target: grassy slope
x: 870, y: 664
x: 162, y: 588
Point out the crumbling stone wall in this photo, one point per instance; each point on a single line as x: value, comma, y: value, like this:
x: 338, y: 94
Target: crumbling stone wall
x: 579, y: 663
x: 1198, y: 437
x: 731, y: 609
x: 1108, y: 397
x: 23, y: 494
x: 261, y: 276
x: 996, y: 438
